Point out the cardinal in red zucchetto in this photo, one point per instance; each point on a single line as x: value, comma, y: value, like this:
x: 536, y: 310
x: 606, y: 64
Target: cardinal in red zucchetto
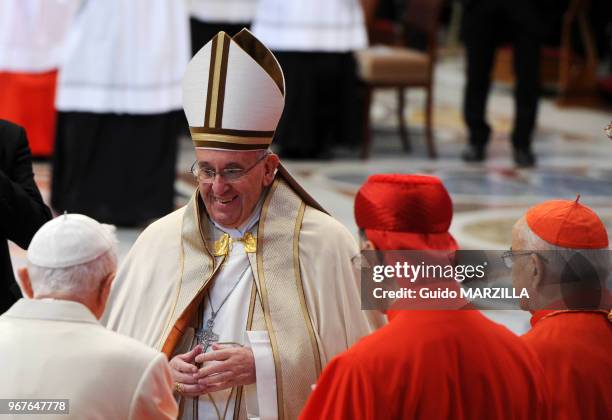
x: 560, y: 254
x: 426, y: 364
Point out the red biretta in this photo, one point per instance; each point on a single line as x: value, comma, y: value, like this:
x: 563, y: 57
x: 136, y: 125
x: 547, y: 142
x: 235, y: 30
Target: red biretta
x: 426, y: 364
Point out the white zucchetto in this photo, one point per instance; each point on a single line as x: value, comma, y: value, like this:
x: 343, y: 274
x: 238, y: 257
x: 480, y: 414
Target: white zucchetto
x: 69, y: 240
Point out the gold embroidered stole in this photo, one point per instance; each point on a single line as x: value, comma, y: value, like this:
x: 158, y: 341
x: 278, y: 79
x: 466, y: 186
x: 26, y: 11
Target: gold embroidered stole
x: 296, y: 354
x: 197, y: 267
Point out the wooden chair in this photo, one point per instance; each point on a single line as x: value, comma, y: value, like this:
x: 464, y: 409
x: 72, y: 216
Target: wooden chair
x: 400, y: 67
x: 577, y: 77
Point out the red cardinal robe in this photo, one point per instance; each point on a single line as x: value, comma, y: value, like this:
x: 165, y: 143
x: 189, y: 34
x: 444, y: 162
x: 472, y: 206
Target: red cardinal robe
x: 575, y: 349
x: 28, y: 99
x: 433, y: 365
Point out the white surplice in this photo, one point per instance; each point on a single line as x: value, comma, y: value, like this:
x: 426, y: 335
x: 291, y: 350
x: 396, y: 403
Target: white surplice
x: 224, y: 11
x: 125, y: 57
x: 32, y: 33
x: 310, y: 25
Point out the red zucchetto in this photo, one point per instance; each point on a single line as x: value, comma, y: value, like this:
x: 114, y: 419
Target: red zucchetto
x: 568, y: 224
x: 404, y: 212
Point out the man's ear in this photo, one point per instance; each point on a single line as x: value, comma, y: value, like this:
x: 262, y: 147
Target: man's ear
x: 537, y: 271
x: 24, y: 283
x: 105, y: 288
x: 367, y: 245
x: 270, y: 165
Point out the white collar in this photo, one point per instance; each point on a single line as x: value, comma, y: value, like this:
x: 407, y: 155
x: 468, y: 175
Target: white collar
x: 236, y: 233
x: 51, y: 309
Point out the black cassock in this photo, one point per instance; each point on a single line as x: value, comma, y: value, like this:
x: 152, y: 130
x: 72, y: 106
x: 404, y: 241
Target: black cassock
x: 116, y: 168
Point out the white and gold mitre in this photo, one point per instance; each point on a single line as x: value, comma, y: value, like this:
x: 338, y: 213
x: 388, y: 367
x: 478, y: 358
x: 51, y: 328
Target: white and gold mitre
x: 233, y: 93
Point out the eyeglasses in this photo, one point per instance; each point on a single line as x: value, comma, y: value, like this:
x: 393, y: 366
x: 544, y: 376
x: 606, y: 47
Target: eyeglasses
x: 207, y: 176
x: 509, y: 256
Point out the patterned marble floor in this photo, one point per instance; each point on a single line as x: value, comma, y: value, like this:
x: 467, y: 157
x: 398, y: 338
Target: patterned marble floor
x: 575, y: 157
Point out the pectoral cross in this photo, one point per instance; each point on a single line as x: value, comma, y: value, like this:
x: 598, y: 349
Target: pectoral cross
x: 206, y: 336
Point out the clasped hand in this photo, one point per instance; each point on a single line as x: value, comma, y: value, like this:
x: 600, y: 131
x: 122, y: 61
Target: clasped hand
x: 224, y: 367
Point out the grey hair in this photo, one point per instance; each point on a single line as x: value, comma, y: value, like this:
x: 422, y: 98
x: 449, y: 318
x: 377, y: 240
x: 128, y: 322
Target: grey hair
x: 562, y: 258
x: 362, y: 235
x: 81, y: 280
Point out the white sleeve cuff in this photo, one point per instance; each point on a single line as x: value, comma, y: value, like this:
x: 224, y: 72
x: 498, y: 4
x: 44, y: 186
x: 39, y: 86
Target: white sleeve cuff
x: 262, y: 403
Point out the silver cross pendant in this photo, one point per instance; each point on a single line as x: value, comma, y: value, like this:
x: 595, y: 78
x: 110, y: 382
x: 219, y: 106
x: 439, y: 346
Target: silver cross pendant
x: 206, y: 336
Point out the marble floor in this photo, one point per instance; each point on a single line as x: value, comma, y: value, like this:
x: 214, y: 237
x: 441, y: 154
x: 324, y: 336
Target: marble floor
x: 574, y: 157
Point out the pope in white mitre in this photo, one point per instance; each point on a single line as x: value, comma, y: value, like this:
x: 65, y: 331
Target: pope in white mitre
x: 251, y: 288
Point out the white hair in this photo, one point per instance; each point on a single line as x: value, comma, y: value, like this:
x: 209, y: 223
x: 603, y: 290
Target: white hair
x: 81, y: 280
x: 561, y: 257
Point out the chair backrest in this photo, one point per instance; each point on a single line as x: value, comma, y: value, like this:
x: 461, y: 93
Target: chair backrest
x: 421, y: 20
x: 423, y: 15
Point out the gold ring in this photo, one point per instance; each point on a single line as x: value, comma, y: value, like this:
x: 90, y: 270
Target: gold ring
x: 178, y: 388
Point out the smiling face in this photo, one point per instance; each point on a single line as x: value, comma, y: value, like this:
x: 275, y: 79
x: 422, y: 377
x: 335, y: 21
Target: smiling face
x: 231, y: 203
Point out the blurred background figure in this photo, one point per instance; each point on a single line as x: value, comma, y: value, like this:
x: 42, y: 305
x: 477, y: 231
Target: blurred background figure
x: 314, y: 42
x: 31, y: 37
x: 52, y: 343
x: 484, y: 22
x: 22, y: 210
x: 211, y: 16
x: 119, y: 101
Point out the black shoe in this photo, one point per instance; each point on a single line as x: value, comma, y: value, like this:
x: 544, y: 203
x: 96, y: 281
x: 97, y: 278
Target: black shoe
x: 524, y: 158
x: 473, y: 154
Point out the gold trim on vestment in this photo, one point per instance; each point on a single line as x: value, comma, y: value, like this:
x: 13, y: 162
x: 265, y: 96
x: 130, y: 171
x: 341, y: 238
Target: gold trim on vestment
x: 168, y: 346
x: 291, y: 332
x: 168, y: 328
x: 252, y: 305
x: 222, y: 245
x: 298, y: 283
x: 265, y: 303
x: 178, y: 290
x: 249, y: 242
x: 249, y: 323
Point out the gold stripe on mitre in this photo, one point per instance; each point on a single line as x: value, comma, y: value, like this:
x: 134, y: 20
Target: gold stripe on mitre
x: 219, y: 138
x: 216, y: 80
